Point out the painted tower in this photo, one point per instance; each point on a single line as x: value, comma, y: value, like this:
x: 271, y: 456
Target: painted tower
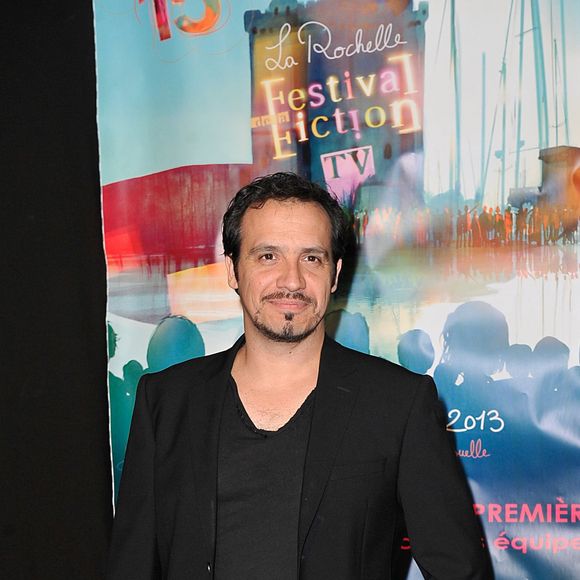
x: 337, y: 95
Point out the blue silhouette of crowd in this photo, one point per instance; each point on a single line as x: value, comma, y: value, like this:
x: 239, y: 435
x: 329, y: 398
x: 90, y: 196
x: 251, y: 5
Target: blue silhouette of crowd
x: 174, y: 340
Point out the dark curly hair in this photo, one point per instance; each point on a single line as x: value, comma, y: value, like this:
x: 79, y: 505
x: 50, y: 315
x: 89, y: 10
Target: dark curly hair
x: 282, y: 187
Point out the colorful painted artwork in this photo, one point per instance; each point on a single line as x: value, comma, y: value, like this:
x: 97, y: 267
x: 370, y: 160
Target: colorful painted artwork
x: 450, y: 133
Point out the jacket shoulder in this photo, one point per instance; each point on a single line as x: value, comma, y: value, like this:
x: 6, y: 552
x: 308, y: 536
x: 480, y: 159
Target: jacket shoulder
x: 381, y: 383
x: 180, y: 378
x: 374, y: 367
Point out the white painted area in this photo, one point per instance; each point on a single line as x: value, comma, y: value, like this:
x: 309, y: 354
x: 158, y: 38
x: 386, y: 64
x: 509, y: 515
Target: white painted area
x: 132, y: 340
x: 533, y: 308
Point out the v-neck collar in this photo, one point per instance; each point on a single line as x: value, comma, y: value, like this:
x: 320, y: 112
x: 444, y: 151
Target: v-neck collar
x: 334, y: 401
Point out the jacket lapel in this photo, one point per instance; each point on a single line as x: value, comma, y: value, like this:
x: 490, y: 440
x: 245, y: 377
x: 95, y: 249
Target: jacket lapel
x: 335, y: 398
x: 205, y: 408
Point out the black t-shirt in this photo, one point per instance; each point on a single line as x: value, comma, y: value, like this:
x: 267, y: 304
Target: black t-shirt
x: 259, y: 487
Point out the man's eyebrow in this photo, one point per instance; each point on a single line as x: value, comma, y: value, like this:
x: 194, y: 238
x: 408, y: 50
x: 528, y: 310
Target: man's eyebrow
x: 316, y: 250
x: 264, y: 248
x: 272, y: 248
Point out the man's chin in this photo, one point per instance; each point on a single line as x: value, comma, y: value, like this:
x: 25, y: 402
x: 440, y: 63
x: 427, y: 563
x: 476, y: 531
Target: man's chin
x: 288, y: 333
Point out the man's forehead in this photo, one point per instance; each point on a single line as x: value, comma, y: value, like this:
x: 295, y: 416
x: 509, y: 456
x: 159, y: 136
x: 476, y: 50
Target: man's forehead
x: 263, y: 213
x: 275, y: 220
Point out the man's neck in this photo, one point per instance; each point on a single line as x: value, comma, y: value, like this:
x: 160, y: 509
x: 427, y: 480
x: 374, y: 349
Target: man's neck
x: 268, y: 361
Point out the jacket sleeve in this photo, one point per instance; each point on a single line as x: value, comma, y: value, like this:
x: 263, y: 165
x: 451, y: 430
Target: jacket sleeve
x: 446, y: 537
x: 133, y: 553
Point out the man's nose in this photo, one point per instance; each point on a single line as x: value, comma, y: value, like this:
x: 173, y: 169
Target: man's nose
x: 291, y: 277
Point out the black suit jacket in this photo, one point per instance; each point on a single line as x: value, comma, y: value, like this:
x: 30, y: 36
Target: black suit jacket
x: 377, y: 443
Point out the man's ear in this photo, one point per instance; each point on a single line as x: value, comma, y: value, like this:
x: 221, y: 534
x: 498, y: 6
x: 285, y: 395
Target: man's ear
x: 338, y: 268
x: 232, y: 280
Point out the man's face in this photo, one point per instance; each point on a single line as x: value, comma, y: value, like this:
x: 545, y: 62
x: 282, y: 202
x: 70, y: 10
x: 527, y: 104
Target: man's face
x: 285, y: 273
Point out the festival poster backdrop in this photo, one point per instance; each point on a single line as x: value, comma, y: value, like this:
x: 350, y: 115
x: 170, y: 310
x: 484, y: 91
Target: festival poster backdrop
x: 450, y: 132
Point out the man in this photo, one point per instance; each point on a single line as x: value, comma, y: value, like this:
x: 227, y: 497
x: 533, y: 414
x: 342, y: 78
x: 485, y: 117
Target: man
x: 289, y: 456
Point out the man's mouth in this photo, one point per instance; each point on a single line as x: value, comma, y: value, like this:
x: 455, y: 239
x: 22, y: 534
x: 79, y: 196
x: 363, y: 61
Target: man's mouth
x: 288, y: 300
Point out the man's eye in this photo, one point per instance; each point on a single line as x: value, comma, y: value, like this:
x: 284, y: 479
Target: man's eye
x: 313, y: 259
x: 267, y: 257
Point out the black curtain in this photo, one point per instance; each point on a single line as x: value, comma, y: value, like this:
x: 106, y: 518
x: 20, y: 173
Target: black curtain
x: 55, y: 482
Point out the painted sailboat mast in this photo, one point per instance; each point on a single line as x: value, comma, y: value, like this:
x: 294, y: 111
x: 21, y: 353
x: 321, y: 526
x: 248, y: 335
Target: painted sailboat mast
x: 456, y: 183
x: 541, y: 100
x: 564, y: 72
x: 479, y: 197
x: 502, y: 152
x: 519, y: 105
x: 555, y: 76
x: 541, y: 93
x: 503, y: 132
x: 503, y: 84
x: 556, y: 114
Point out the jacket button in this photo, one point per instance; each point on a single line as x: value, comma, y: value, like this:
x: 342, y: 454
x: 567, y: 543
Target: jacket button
x: 208, y: 568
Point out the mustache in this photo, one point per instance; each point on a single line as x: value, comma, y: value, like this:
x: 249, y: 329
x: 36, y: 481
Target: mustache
x: 289, y: 296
